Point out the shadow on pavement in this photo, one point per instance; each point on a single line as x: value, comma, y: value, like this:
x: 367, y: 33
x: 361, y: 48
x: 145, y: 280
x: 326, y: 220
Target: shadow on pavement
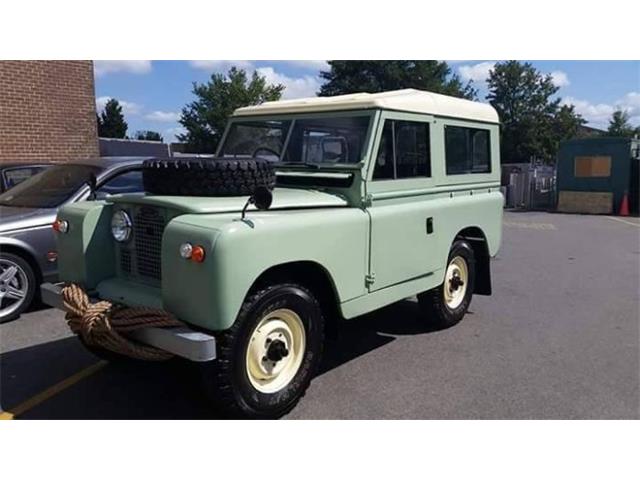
x: 164, y: 390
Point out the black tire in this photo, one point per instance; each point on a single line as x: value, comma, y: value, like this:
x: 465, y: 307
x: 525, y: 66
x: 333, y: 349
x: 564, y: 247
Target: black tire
x: 226, y: 379
x: 433, y: 302
x: 30, y: 287
x: 221, y: 177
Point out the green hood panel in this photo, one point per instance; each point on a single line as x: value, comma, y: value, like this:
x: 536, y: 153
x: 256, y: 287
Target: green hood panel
x: 283, y: 198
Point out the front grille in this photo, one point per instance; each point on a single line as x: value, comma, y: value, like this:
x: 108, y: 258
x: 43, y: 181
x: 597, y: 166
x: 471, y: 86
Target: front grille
x: 148, y: 225
x: 125, y: 261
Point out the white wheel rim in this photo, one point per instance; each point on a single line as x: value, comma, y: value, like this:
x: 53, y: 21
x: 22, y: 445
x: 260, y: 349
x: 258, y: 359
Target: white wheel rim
x: 13, y: 287
x: 455, y: 282
x: 266, y: 373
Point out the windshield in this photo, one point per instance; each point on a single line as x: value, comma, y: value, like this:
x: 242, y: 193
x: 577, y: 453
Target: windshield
x: 49, y: 188
x: 323, y: 140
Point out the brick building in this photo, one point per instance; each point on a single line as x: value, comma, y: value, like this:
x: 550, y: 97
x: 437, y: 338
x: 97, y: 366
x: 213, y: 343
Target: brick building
x: 47, y: 111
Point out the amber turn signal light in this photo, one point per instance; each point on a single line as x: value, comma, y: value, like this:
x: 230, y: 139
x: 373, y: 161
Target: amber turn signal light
x: 197, y: 254
x: 61, y: 226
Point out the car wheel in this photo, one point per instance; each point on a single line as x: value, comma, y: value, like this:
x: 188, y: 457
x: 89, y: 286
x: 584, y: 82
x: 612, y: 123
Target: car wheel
x: 17, y: 286
x: 447, y: 304
x: 267, y: 359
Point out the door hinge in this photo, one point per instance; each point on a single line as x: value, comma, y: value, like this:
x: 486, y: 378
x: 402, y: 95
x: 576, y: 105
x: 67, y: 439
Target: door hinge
x: 370, y: 279
x: 367, y: 200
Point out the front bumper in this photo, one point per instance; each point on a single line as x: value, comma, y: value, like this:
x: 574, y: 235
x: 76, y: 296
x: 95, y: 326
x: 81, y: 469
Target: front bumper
x: 181, y: 341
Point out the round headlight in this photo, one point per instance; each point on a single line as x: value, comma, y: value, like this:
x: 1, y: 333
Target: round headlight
x: 121, y: 226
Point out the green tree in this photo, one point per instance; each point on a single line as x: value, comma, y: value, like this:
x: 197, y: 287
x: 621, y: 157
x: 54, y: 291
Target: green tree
x: 351, y: 76
x: 148, y: 135
x: 619, y: 125
x: 566, y: 124
x: 111, y: 122
x: 205, y: 118
x: 533, y: 121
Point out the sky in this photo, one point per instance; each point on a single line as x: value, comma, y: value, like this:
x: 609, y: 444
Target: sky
x: 153, y: 93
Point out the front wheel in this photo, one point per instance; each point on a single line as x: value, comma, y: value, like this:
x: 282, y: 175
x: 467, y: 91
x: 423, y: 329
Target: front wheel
x: 267, y: 359
x: 17, y: 286
x: 446, y: 304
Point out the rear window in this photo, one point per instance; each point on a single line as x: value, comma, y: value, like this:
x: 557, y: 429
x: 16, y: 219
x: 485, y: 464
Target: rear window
x: 467, y: 150
x: 15, y: 175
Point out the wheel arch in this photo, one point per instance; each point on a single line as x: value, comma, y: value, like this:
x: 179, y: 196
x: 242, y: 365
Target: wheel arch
x: 311, y: 275
x: 478, y: 241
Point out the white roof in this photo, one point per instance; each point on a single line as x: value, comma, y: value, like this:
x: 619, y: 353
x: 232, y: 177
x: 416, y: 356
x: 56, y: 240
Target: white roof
x: 408, y: 100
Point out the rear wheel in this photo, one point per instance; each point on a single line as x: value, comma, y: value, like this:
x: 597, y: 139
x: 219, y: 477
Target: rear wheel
x: 17, y: 286
x: 267, y: 359
x: 447, y: 304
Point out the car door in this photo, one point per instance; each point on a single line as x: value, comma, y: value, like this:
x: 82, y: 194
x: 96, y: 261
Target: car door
x: 401, y: 211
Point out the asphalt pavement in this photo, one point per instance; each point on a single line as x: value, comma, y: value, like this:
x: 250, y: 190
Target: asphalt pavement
x: 558, y: 339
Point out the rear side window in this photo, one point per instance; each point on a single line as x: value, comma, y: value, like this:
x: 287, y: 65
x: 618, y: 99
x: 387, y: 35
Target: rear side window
x: 128, y: 182
x: 467, y: 150
x: 404, y: 151
x: 14, y: 176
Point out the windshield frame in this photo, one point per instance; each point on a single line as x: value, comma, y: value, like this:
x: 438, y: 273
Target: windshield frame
x: 292, y: 117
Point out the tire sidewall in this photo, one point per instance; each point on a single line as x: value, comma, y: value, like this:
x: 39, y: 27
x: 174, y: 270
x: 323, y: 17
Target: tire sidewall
x: 272, y: 404
x: 31, y: 288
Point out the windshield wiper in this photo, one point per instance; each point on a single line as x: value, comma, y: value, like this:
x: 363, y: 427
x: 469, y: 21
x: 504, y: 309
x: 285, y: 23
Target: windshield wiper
x: 311, y: 166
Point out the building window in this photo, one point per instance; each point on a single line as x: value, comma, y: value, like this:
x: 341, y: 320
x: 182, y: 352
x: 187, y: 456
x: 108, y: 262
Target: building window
x: 467, y: 150
x: 404, y: 151
x: 592, y: 166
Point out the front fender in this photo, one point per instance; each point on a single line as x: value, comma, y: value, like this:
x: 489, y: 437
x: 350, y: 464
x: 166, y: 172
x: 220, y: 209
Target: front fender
x: 238, y: 252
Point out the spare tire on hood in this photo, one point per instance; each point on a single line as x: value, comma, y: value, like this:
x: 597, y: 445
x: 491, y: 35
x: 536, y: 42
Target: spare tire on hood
x: 218, y: 177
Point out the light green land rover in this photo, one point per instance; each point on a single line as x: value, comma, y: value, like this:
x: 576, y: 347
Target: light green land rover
x: 313, y: 211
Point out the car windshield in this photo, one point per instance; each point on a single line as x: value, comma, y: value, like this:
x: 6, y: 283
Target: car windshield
x: 49, y: 188
x: 322, y: 140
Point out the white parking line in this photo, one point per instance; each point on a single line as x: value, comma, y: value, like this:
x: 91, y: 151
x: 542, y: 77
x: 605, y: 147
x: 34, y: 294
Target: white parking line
x: 624, y: 221
x: 533, y: 226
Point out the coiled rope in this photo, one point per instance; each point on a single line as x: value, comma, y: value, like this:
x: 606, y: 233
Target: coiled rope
x: 100, y: 324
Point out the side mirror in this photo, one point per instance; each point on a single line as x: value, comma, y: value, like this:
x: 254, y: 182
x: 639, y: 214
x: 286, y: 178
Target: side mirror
x: 261, y: 198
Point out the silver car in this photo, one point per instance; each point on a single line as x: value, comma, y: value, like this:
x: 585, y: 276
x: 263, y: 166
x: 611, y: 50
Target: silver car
x: 28, y: 210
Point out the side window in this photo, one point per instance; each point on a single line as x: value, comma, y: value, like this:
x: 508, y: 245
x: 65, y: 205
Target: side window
x: 128, y: 182
x: 404, y: 151
x: 412, y: 150
x: 467, y: 150
x: 384, y: 169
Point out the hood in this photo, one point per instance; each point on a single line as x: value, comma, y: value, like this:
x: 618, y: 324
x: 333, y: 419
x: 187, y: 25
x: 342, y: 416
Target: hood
x: 283, y: 198
x: 17, y: 218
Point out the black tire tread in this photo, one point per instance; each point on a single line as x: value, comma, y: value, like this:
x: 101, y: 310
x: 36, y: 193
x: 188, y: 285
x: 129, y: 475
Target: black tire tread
x: 207, y: 177
x: 221, y: 389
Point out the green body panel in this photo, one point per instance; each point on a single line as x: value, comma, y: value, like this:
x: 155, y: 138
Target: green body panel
x: 86, y: 250
x: 285, y: 198
x: 370, y: 238
x: 210, y: 294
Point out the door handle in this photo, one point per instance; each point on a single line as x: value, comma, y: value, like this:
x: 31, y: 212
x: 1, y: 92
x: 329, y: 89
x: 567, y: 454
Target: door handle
x: 429, y: 225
